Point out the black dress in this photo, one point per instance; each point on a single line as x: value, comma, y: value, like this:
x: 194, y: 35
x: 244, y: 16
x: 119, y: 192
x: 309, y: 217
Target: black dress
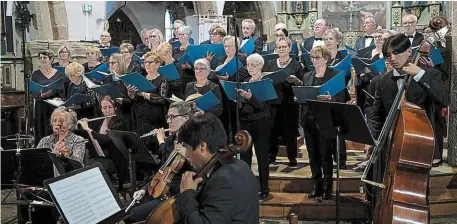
x: 175, y: 87
x: 210, y: 86
x: 88, y: 69
x: 149, y: 114
x: 43, y: 110
x: 88, y: 109
x: 188, y: 74
x: 125, y: 109
x: 285, y: 111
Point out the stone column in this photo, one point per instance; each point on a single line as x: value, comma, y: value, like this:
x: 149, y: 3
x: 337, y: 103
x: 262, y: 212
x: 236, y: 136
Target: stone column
x: 452, y: 135
x: 41, y: 28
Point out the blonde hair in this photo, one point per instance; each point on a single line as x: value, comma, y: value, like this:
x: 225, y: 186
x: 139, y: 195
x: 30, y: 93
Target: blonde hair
x: 286, y: 39
x: 154, y: 56
x: 123, y: 62
x: 74, y: 70
x: 61, y: 49
x: 159, y: 33
x: 230, y: 37
x: 93, y: 49
x: 164, y: 49
x: 323, y: 50
x: 186, y: 108
x: 127, y: 46
x: 72, y: 117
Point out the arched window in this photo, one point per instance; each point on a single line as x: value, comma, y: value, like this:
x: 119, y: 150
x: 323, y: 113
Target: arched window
x: 168, y: 26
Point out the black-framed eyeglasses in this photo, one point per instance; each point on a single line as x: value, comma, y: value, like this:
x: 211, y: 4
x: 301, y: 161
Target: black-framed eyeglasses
x: 172, y: 116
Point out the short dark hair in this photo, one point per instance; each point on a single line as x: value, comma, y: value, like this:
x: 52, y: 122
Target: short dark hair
x: 399, y: 44
x: 286, y: 33
x: 203, y: 128
x: 48, y: 53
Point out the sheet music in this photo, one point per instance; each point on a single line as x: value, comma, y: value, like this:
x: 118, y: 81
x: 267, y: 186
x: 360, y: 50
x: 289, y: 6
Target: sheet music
x: 85, y: 197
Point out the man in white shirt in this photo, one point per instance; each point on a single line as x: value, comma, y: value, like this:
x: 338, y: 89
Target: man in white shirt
x: 319, y: 28
x: 369, y: 27
x: 409, y: 24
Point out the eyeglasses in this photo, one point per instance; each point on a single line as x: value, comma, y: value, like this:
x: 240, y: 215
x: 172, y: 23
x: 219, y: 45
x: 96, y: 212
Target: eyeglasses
x: 124, y: 52
x: 112, y: 62
x: 315, y: 58
x: 153, y: 36
x: 172, y: 116
x: 200, y: 69
x: 378, y: 37
x: 282, y: 47
x: 148, y: 62
x: 253, y: 65
x: 408, y: 23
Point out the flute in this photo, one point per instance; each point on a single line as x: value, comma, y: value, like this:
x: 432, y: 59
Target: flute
x: 154, y: 132
x: 98, y: 118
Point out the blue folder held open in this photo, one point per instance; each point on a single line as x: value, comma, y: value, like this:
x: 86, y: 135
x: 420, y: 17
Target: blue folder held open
x: 98, y: 73
x: 207, y: 101
x: 306, y: 58
x: 262, y: 90
x: 76, y: 99
x: 139, y: 81
x: 248, y: 47
x: 230, y: 67
x: 60, y: 69
x: 104, y: 90
x: 344, y: 65
x: 359, y: 53
x: 200, y: 51
x: 365, y: 65
x: 169, y: 71
x: 276, y: 76
x: 331, y: 87
x: 36, y: 88
x: 185, y: 59
x: 138, y: 58
x: 435, y: 56
x: 273, y: 56
x: 107, y: 52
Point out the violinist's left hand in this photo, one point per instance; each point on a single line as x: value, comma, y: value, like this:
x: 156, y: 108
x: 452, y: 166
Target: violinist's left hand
x: 411, y: 69
x: 426, y: 61
x: 188, y: 182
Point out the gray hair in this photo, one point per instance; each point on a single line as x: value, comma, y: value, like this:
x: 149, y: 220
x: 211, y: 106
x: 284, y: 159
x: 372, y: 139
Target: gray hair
x: 229, y: 37
x: 204, y: 62
x: 412, y: 16
x: 372, y: 20
x: 391, y: 32
x: 250, y: 22
x: 185, y: 29
x: 336, y: 33
x: 280, y: 26
x: 256, y: 58
x: 72, y: 118
x: 186, y: 108
x: 178, y: 21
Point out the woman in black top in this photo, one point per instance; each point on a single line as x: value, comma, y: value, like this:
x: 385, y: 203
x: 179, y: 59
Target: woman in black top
x: 149, y: 108
x: 284, y: 110
x: 177, y: 115
x: 202, y: 85
x: 112, y: 159
x: 319, y: 152
x: 74, y: 72
x: 64, y: 57
x: 93, y: 55
x: 255, y: 118
x: 164, y: 50
x: 188, y: 74
x: 44, y: 76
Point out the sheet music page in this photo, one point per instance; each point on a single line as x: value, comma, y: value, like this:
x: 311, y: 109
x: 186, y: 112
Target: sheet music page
x: 85, y: 197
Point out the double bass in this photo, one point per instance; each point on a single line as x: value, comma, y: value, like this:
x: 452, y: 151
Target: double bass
x: 407, y: 139
x: 166, y: 212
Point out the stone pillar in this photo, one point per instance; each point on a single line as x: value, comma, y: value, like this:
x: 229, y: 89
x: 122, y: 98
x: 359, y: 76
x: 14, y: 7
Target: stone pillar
x: 452, y: 125
x: 59, y: 20
x: 41, y: 28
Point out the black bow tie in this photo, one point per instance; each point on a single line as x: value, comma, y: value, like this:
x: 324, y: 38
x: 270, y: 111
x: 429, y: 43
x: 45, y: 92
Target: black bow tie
x: 318, y: 38
x: 245, y: 38
x: 395, y: 77
x: 369, y: 37
x: 410, y: 36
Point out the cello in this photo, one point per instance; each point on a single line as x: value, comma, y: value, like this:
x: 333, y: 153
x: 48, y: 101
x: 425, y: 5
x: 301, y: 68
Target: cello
x: 166, y: 212
x: 407, y: 138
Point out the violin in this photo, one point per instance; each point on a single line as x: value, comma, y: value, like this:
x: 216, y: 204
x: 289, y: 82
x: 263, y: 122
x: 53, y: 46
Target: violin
x: 160, y: 184
x: 407, y: 139
x: 166, y: 212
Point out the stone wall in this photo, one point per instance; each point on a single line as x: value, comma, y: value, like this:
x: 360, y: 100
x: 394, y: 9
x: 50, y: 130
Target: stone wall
x: 452, y: 135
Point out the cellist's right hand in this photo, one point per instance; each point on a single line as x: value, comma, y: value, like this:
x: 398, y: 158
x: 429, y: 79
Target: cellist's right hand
x: 368, y: 150
x: 140, y: 194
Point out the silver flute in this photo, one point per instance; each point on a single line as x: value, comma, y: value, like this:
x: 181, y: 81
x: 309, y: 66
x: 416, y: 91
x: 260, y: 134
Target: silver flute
x: 99, y: 118
x: 154, y: 132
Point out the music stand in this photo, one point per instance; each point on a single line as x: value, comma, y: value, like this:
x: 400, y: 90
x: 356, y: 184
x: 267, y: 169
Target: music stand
x: 64, y: 164
x: 346, y: 123
x: 133, y: 149
x: 86, y: 195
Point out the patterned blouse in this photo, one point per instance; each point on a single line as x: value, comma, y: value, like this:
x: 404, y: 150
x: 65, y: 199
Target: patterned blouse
x: 75, y: 143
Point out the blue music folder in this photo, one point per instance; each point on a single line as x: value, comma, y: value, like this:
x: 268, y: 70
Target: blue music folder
x: 138, y: 58
x: 365, y: 65
x: 108, y: 90
x: 169, y: 71
x: 76, y: 99
x: 306, y: 57
x: 200, y: 51
x: 344, y: 65
x: 139, y: 81
x: 248, y: 47
x: 435, y: 56
x: 107, y: 52
x: 207, y: 101
x: 262, y: 90
x: 185, y: 59
x: 36, y: 88
x: 359, y: 53
x: 98, y: 73
x: 60, y: 69
x: 230, y: 67
x: 334, y: 85
x: 276, y: 76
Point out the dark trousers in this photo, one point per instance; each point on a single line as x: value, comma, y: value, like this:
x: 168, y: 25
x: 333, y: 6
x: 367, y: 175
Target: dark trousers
x: 361, y: 97
x: 343, y: 152
x: 439, y: 133
x: 285, y: 124
x: 260, y: 139
x: 319, y: 153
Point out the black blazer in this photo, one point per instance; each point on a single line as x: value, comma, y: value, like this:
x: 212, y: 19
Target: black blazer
x: 308, y: 80
x: 242, y: 70
x: 360, y: 43
x: 216, y: 110
x: 229, y: 195
x: 426, y: 93
x: 308, y: 43
x: 417, y: 40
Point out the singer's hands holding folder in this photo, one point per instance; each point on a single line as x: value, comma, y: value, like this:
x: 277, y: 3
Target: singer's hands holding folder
x: 146, y: 96
x: 293, y: 79
x: 327, y: 97
x: 223, y: 77
x: 186, y: 66
x: 131, y: 91
x: 247, y: 95
x: 46, y: 94
x: 209, y: 56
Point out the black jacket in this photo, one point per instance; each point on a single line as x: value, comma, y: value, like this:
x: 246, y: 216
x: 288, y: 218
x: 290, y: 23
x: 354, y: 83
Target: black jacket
x: 216, y: 110
x: 229, y: 195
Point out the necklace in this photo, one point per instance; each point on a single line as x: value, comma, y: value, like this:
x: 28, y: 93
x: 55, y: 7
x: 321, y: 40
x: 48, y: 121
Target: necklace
x: 197, y: 89
x: 285, y: 63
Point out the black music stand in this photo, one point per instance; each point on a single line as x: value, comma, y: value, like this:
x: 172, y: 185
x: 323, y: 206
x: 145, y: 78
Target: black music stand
x: 346, y: 123
x: 133, y: 149
x: 64, y: 164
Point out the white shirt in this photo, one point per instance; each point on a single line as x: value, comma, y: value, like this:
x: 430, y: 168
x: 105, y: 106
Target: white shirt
x: 411, y: 38
x: 368, y: 41
x: 416, y: 78
x: 318, y: 43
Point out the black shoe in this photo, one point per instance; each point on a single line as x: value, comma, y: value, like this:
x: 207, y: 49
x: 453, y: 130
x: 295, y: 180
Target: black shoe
x: 317, y: 190
x: 293, y: 163
x: 437, y: 163
x: 264, y: 195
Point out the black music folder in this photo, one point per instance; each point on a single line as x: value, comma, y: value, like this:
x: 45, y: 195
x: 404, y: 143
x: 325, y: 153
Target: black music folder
x: 86, y: 196
x: 64, y: 164
x: 125, y: 140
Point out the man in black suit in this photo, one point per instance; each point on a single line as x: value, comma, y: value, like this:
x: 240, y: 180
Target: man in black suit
x: 409, y: 23
x: 229, y: 193
x: 248, y: 27
x: 320, y: 26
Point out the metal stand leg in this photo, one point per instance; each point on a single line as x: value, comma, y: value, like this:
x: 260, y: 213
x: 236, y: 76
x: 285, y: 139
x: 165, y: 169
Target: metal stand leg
x: 30, y: 214
x: 132, y: 173
x: 337, y: 196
